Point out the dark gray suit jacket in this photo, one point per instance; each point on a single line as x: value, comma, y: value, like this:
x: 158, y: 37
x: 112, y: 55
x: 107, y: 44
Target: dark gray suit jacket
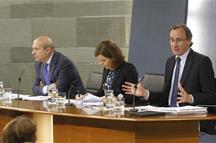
x: 62, y: 71
x: 197, y: 79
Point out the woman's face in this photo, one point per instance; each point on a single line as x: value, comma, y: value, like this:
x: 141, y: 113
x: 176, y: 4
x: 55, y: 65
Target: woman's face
x: 105, y: 62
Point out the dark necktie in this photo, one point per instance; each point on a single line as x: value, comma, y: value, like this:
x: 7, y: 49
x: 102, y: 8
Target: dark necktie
x: 175, y: 84
x: 46, y: 74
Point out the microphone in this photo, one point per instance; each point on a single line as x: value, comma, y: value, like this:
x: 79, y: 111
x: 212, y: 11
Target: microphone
x: 141, y: 78
x: 68, y: 96
x: 19, y: 81
x: 20, y: 77
x: 135, y: 88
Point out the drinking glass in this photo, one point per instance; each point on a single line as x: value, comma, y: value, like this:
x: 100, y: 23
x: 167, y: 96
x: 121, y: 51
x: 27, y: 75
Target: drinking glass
x: 2, y: 91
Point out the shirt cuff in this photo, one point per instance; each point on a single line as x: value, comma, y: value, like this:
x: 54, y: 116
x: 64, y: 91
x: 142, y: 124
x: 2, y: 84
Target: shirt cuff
x: 146, y: 94
x: 45, y: 89
x: 192, y: 99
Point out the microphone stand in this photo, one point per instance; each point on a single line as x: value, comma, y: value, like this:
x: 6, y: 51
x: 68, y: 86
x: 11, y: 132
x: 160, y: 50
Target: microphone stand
x: 134, y: 109
x: 135, y: 88
x: 68, y: 95
x: 19, y: 81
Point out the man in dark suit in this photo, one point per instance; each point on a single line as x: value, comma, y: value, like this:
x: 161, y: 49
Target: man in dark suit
x: 195, y: 76
x: 53, y: 69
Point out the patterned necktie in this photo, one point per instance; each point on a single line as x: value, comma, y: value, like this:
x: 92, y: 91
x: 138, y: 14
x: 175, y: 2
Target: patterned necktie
x: 175, y: 84
x: 46, y: 74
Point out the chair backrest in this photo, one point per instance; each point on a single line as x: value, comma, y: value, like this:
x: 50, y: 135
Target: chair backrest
x: 153, y: 82
x: 94, y: 82
x: 215, y: 83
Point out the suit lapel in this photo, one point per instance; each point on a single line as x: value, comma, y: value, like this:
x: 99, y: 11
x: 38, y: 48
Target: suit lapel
x: 168, y: 77
x: 116, y: 75
x: 187, y: 67
x: 42, y: 72
x: 170, y: 69
x: 52, y: 65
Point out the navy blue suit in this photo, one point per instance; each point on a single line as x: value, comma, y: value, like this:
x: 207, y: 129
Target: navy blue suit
x: 62, y: 71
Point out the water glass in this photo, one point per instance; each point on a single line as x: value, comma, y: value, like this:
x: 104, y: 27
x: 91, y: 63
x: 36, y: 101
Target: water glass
x: 60, y: 100
x: 2, y: 91
x: 8, y: 91
x: 109, y: 99
x: 120, y: 103
x: 7, y: 95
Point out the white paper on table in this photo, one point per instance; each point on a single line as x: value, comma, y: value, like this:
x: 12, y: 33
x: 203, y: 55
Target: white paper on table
x: 36, y: 98
x: 173, y: 110
x: 15, y: 95
x: 93, y: 103
x: 88, y: 98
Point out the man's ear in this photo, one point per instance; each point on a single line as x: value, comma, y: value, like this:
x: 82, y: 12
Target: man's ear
x: 48, y: 50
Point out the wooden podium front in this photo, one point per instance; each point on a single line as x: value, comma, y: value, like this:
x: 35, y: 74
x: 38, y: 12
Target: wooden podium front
x: 72, y: 125
x: 84, y: 130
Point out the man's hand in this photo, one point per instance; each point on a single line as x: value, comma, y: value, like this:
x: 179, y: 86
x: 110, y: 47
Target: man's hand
x: 51, y: 86
x: 184, y: 97
x: 41, y: 84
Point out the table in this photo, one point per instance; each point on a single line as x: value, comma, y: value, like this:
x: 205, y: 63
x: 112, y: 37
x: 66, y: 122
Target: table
x: 61, y: 124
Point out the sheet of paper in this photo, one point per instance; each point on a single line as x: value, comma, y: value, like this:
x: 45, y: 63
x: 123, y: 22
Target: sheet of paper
x: 88, y: 100
x: 91, y: 98
x: 15, y: 95
x: 173, y: 110
x: 36, y: 98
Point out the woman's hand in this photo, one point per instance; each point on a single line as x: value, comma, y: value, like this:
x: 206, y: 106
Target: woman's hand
x: 134, y: 89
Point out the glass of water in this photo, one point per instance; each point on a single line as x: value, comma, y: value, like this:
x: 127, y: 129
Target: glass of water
x: 61, y: 99
x: 2, y: 91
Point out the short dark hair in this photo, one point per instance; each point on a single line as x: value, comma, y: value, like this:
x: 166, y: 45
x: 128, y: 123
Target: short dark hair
x: 19, y: 130
x: 109, y: 49
x: 187, y: 30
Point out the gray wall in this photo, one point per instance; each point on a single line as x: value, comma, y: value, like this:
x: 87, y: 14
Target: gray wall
x: 151, y: 19
x: 76, y: 26
x: 202, y: 21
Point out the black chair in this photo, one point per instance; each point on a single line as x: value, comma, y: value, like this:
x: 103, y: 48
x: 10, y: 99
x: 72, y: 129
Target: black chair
x: 209, y: 127
x: 94, y: 82
x: 153, y: 82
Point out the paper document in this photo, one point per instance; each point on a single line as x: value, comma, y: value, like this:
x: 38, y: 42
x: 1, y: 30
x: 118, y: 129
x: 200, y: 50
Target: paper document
x: 173, y: 110
x: 15, y: 95
x: 88, y: 100
x: 91, y: 98
x: 36, y: 98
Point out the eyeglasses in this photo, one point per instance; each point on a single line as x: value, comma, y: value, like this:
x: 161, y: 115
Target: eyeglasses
x: 177, y: 40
